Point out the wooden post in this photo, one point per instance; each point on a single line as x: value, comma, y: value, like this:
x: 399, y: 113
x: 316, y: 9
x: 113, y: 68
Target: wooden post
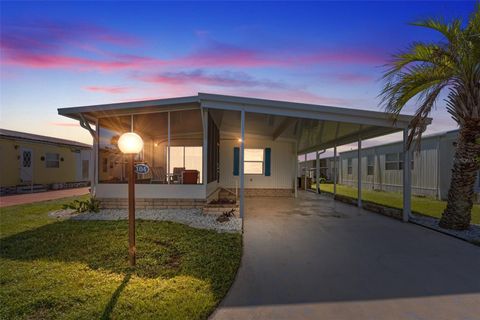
x: 131, y: 211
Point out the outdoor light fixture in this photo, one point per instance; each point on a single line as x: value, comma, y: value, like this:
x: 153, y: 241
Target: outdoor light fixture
x: 131, y: 143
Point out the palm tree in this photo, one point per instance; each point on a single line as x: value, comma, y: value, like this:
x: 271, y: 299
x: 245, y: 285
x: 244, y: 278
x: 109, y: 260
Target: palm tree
x: 425, y: 71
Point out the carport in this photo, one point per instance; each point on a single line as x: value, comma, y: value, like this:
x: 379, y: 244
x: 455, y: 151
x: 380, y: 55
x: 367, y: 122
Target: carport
x: 312, y: 257
x: 313, y: 128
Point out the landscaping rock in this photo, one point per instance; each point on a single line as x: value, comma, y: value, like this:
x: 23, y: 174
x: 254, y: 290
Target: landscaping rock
x: 63, y: 213
x: 472, y: 234
x: 191, y: 217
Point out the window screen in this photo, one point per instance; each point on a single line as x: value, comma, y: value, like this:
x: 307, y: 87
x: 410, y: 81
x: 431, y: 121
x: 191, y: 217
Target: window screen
x: 52, y: 160
x: 254, y: 161
x: 370, y: 165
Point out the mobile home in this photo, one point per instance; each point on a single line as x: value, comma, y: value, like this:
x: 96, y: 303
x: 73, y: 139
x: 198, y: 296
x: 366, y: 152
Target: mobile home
x: 199, y: 146
x: 382, y: 166
x: 31, y: 162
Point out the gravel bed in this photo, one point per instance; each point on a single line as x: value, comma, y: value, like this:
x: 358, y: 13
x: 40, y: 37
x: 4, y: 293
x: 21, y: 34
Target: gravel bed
x: 472, y: 234
x: 191, y: 217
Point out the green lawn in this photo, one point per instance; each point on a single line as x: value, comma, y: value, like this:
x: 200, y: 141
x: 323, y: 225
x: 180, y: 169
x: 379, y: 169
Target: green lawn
x: 422, y: 205
x: 61, y: 269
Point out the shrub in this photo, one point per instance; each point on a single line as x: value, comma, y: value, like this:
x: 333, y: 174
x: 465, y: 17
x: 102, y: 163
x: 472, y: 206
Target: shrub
x: 90, y: 205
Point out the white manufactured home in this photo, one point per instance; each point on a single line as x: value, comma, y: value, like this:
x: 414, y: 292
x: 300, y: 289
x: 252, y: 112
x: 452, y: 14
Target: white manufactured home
x: 200, y: 145
x: 382, y: 166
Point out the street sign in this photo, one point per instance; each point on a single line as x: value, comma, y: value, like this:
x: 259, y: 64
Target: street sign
x: 141, y: 168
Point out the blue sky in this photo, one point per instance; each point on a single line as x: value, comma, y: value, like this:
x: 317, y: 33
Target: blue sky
x: 59, y: 54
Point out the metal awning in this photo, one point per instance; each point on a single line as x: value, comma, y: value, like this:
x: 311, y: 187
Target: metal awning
x: 313, y: 127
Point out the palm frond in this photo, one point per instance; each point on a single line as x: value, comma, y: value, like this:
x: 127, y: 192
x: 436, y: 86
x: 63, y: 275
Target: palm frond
x: 406, y: 84
x: 449, y: 30
x: 421, y: 53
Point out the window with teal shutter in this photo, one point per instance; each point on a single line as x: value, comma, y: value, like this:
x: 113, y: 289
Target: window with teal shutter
x: 268, y: 157
x: 236, y: 160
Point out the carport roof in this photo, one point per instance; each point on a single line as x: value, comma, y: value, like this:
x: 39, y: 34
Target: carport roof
x: 313, y: 126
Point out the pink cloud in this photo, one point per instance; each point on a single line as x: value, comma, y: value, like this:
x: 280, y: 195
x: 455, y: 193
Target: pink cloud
x: 200, y: 77
x: 354, y: 78
x: 104, y: 89
x: 49, y: 45
x: 217, y: 54
x: 56, y: 61
x: 81, y: 46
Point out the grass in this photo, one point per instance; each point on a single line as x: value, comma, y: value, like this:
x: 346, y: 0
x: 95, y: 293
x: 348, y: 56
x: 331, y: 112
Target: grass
x: 422, y: 205
x: 63, y: 269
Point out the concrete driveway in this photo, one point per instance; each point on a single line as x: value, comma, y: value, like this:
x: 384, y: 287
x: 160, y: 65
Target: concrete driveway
x: 314, y: 258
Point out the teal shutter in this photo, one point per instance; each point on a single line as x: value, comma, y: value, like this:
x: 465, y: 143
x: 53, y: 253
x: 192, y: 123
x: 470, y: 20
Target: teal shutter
x: 268, y: 160
x: 236, y: 160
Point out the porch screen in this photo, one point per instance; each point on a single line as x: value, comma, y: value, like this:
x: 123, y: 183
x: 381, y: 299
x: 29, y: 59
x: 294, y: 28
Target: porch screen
x: 112, y: 160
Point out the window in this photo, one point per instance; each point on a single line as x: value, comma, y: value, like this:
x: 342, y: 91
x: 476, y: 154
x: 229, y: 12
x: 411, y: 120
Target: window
x: 52, y: 160
x: 394, y: 161
x: 370, y: 165
x: 254, y: 161
x: 349, y: 166
x: 391, y: 161
x: 85, y: 165
x: 185, y: 158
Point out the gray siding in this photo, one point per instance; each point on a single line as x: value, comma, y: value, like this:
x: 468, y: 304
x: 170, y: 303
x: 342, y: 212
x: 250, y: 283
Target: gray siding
x: 431, y: 167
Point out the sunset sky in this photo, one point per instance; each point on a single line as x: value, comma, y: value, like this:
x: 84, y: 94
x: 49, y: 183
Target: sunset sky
x: 56, y: 54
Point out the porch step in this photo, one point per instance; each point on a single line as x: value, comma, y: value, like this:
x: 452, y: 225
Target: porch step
x: 226, y: 194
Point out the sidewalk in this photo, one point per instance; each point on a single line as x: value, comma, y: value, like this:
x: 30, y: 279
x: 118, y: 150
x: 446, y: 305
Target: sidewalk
x: 12, y: 200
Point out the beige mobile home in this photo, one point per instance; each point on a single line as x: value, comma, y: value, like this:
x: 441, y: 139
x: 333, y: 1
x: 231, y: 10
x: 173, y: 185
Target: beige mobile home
x: 31, y: 162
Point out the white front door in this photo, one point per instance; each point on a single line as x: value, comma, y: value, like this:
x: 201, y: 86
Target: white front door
x: 26, y: 165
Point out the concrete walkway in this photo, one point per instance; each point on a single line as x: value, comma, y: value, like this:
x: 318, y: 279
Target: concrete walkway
x: 314, y: 258
x: 13, y: 200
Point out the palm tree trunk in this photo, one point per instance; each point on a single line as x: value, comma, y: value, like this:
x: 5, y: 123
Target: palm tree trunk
x: 457, y: 215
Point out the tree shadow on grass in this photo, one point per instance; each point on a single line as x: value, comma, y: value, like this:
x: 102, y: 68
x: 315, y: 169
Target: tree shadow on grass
x: 164, y: 249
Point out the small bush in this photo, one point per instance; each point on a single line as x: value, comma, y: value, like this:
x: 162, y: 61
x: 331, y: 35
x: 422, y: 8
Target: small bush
x: 90, y: 205
x: 225, y: 216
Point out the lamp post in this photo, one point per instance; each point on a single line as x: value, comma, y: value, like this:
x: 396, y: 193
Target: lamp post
x: 130, y: 144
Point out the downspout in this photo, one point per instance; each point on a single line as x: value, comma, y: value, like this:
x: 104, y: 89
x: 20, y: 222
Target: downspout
x: 93, y: 159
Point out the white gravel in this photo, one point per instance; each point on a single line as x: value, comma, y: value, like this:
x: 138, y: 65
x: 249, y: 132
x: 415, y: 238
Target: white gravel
x: 191, y: 217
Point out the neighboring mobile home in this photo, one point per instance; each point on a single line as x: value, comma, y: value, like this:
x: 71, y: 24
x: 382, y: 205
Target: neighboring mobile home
x: 201, y: 145
x: 382, y: 166
x: 31, y: 162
